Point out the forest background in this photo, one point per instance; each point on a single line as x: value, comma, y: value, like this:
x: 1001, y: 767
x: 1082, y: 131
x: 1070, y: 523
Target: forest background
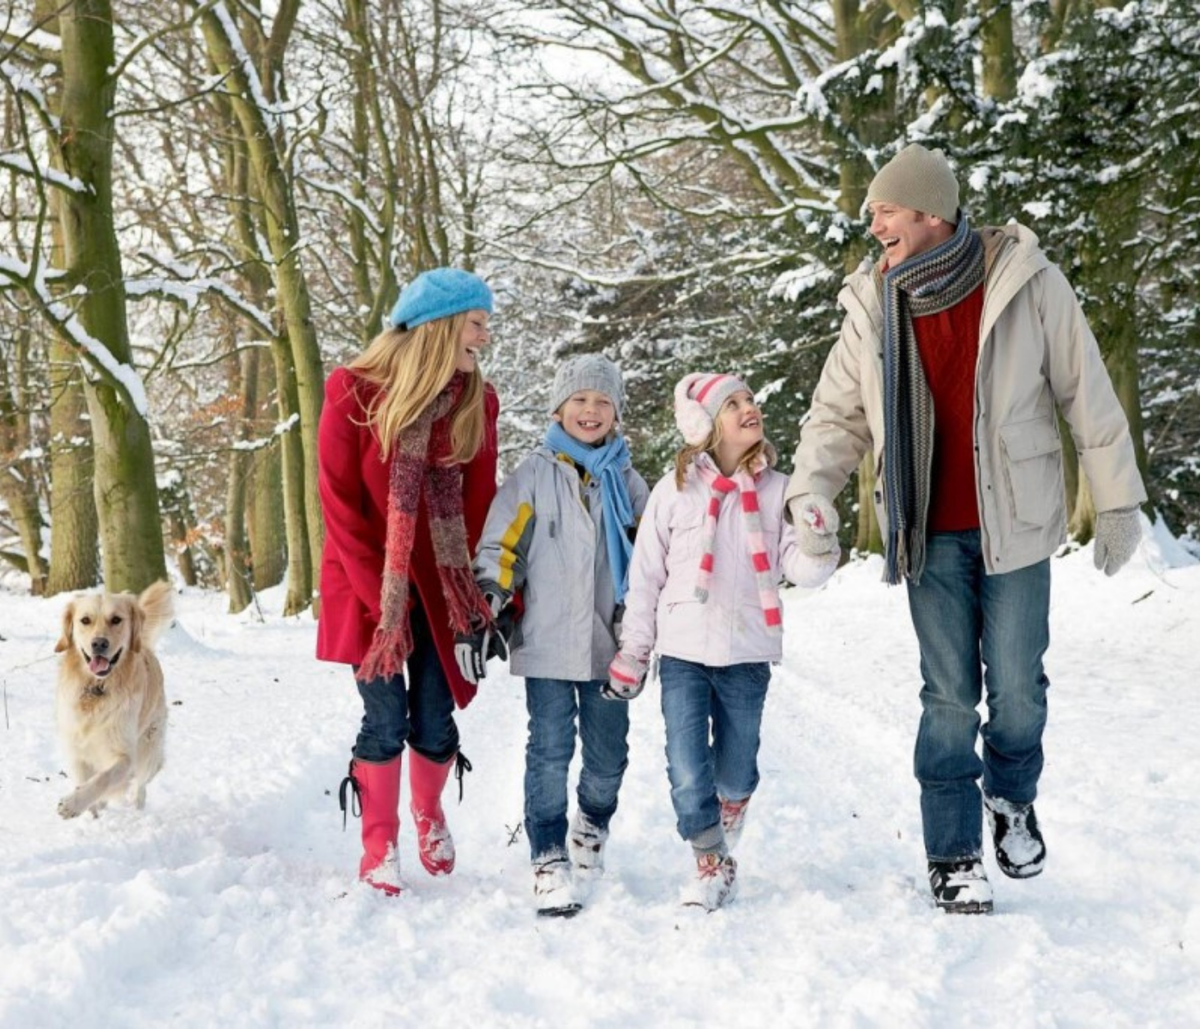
x: 204, y: 207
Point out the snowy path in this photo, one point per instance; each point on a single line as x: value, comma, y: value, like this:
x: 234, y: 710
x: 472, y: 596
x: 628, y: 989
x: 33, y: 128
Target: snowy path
x: 230, y: 900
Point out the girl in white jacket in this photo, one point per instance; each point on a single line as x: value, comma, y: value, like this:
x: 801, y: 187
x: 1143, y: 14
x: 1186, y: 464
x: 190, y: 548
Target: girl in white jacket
x: 712, y: 547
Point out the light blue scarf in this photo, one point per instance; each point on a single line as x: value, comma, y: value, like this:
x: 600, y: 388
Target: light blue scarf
x: 605, y: 464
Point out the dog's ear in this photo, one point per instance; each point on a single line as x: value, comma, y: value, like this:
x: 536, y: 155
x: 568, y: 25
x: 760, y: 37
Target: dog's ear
x: 137, y: 619
x: 68, y: 620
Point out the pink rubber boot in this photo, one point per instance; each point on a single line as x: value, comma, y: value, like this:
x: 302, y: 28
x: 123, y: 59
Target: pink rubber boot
x: 435, y: 844
x: 377, y: 789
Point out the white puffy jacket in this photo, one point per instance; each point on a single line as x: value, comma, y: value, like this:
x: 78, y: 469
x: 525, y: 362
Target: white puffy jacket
x: 661, y: 609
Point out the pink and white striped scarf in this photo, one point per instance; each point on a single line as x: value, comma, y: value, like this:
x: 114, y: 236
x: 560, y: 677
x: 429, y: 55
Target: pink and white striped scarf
x: 718, y: 486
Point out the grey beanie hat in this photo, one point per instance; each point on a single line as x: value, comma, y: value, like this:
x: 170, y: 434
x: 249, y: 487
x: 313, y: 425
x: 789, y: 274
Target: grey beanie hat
x: 919, y: 179
x: 588, y: 371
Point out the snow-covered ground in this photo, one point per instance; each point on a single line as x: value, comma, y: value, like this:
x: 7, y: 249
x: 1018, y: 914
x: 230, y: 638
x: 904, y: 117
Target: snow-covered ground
x: 231, y: 900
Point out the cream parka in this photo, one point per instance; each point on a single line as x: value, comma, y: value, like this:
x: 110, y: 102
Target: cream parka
x: 1035, y: 349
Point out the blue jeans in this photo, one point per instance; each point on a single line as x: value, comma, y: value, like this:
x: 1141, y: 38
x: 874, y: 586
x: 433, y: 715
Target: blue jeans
x: 421, y: 715
x: 977, y: 630
x: 713, y: 717
x: 553, y: 705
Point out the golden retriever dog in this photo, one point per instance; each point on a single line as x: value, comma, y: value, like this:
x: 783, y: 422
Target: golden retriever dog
x: 110, y: 705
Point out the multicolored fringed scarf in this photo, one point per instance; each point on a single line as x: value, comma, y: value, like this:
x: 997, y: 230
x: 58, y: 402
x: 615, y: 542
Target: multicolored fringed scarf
x: 419, y: 471
x: 925, y: 284
x: 606, y: 463
x: 718, y: 486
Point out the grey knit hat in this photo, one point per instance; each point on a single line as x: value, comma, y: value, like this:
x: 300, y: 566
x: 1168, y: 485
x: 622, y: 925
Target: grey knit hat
x: 919, y: 179
x: 588, y: 371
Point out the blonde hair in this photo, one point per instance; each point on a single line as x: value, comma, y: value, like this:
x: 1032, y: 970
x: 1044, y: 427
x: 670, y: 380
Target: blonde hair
x: 763, y: 449
x: 410, y: 368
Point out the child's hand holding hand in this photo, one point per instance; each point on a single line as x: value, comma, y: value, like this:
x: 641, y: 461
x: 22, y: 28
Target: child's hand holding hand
x: 626, y: 677
x: 470, y: 653
x: 472, y: 649
x: 816, y: 523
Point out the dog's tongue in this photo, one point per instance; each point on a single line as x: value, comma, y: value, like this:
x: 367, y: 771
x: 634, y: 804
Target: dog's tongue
x: 98, y: 665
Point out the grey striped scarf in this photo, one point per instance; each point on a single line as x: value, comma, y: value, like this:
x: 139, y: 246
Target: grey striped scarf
x: 925, y: 284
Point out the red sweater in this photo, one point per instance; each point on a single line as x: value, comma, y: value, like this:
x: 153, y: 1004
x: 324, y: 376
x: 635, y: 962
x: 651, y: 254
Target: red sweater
x: 353, y: 482
x: 949, y: 346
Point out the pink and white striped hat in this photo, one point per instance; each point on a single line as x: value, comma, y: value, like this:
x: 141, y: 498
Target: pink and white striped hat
x: 698, y: 399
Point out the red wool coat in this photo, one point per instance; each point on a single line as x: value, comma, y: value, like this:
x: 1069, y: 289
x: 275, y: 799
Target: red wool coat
x: 353, y: 481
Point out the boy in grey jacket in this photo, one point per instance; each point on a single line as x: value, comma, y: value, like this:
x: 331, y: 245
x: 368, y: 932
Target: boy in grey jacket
x: 560, y: 531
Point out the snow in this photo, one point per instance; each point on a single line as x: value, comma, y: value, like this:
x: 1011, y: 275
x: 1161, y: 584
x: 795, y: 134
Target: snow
x: 230, y: 900
x: 21, y: 163
x: 69, y: 325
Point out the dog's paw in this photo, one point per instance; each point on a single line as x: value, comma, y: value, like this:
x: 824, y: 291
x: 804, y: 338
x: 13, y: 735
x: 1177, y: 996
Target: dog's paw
x: 68, y: 807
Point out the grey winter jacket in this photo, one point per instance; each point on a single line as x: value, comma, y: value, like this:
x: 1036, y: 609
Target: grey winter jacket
x: 1035, y: 350
x: 544, y: 536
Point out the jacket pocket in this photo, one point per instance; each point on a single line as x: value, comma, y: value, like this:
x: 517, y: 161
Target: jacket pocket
x: 687, y: 534
x: 1033, y: 469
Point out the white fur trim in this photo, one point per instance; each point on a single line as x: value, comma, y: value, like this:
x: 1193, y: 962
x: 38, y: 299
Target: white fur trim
x: 693, y: 421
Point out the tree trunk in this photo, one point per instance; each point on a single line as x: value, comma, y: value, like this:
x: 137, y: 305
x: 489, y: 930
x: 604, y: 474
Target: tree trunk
x: 857, y: 30
x: 124, y: 482
x: 74, y: 528
x: 291, y: 288
x: 239, y: 567
x: 268, y: 540
x: 18, y: 472
x: 1112, y: 275
x: 999, y: 56
x: 180, y: 522
x: 868, y: 537
x: 300, y: 562
x: 286, y: 464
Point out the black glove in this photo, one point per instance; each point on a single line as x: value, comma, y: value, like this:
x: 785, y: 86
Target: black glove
x: 618, y: 618
x: 502, y: 633
x: 473, y: 649
x: 470, y: 649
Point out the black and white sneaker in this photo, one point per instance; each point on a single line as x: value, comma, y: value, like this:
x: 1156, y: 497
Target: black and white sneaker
x: 1020, y: 849
x: 961, y: 887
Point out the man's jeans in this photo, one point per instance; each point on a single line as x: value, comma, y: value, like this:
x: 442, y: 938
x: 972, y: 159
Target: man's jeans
x: 422, y: 714
x: 553, y: 705
x: 962, y: 617
x: 697, y: 699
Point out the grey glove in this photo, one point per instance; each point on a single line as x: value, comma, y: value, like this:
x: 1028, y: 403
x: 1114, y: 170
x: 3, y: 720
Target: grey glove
x: 816, y: 521
x: 1118, y: 533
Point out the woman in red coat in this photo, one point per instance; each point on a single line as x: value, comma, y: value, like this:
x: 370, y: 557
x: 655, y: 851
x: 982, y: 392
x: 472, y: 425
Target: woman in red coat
x: 407, y: 458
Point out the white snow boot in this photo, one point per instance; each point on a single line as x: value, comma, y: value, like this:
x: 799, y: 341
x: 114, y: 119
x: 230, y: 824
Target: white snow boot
x: 553, y: 888
x: 1020, y: 849
x: 961, y: 887
x: 585, y: 844
x: 715, y: 884
x: 733, y: 819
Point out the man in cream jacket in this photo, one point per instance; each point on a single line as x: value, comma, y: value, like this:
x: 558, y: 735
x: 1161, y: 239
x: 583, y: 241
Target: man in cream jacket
x: 956, y: 349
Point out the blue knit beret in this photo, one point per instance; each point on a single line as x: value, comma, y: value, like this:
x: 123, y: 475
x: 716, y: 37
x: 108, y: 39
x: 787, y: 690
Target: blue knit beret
x: 440, y: 293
